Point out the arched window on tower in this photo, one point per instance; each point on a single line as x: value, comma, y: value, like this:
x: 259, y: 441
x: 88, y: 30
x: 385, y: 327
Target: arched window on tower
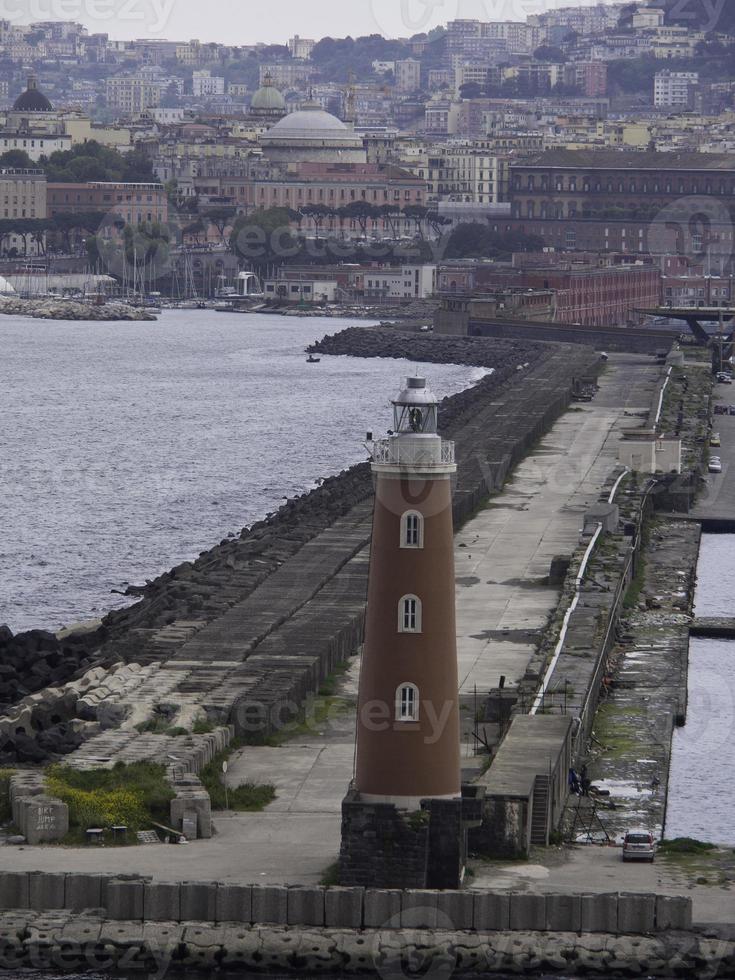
x: 409, y: 614
x: 412, y: 529
x: 407, y: 702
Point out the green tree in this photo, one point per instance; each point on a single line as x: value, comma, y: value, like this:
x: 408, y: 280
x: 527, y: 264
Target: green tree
x: 17, y: 160
x: 264, y: 236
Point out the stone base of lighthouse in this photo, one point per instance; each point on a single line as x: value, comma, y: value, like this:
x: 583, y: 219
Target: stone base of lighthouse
x: 384, y: 847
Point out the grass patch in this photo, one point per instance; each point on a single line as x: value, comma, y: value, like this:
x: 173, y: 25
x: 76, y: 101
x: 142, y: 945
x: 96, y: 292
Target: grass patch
x: 616, y: 731
x: 331, y: 875
x: 6, y: 812
x: 685, y: 845
x: 202, y: 727
x: 310, y: 720
x: 159, y: 726
x: 134, y: 795
x: 249, y: 796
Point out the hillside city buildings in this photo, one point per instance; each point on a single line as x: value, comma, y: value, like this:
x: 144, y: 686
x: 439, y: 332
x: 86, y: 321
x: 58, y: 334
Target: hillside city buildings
x: 532, y: 130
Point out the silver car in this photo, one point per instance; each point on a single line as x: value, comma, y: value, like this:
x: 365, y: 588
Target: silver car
x: 639, y: 845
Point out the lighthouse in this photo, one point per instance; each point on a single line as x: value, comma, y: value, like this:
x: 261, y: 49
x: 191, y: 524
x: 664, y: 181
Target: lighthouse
x: 408, y: 745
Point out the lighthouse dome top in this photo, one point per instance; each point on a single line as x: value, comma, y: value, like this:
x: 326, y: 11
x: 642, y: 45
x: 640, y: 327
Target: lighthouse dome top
x: 416, y: 392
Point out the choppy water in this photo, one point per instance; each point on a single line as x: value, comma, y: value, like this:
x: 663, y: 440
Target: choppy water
x: 126, y: 448
x: 702, y: 772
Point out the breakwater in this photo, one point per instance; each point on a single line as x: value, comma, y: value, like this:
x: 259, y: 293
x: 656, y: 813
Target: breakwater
x: 296, y: 581
x: 56, y: 943
x: 105, y: 921
x: 62, y: 309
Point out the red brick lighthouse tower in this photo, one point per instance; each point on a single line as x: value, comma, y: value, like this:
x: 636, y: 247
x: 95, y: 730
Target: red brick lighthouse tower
x: 408, y: 746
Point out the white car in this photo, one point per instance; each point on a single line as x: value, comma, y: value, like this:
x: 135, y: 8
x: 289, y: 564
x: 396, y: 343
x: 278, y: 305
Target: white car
x: 715, y: 466
x: 639, y: 845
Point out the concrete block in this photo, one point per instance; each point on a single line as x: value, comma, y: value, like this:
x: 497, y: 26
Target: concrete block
x: 491, y: 912
x: 85, y: 891
x: 419, y: 908
x: 46, y: 891
x: 270, y: 904
x: 673, y: 912
x: 198, y: 901
x: 305, y: 906
x: 162, y: 901
x: 527, y: 912
x: 44, y: 819
x: 563, y: 913
x: 234, y: 903
x: 14, y: 890
x: 454, y: 910
x: 124, y: 900
x: 599, y: 913
x: 343, y: 907
x: 382, y: 908
x: 636, y: 912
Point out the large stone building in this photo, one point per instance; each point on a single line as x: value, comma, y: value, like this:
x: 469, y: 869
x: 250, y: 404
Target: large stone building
x: 22, y: 195
x: 134, y: 203
x: 33, y: 125
x: 659, y: 203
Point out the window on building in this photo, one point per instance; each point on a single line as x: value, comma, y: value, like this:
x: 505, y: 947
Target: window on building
x: 409, y: 614
x: 407, y: 702
x: 412, y: 522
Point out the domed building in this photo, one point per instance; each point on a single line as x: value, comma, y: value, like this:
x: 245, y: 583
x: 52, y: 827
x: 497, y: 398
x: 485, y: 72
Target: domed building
x: 312, y: 135
x: 32, y: 100
x: 33, y: 114
x: 268, y: 102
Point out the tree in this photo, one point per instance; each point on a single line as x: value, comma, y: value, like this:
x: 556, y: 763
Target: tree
x: 361, y: 212
x: 220, y: 218
x: 264, y: 236
x: 17, y: 160
x: 471, y: 90
x: 548, y: 52
x: 475, y: 240
x: 318, y: 213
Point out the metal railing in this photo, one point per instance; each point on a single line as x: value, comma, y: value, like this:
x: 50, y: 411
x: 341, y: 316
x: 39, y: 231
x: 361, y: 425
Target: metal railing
x: 398, y: 453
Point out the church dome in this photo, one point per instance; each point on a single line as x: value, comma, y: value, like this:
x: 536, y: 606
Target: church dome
x: 32, y: 100
x: 310, y: 123
x: 268, y: 98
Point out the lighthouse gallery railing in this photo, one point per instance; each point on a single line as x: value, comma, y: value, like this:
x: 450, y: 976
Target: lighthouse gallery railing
x: 394, y: 451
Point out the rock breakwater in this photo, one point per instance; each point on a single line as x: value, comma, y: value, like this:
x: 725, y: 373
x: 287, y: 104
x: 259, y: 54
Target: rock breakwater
x: 62, y: 309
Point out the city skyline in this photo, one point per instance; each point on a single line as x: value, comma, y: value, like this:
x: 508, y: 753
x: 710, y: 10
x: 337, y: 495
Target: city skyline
x: 132, y: 19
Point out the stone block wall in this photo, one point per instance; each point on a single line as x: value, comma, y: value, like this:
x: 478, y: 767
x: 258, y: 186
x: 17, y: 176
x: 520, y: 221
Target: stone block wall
x: 134, y: 899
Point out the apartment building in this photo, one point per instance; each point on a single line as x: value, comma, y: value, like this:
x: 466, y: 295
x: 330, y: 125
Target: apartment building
x: 468, y: 172
x: 129, y: 95
x: 204, y: 83
x: 674, y: 89
x: 407, y: 75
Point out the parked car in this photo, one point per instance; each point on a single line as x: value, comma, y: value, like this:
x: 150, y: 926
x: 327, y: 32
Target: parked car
x: 724, y: 379
x: 714, y: 439
x: 715, y: 466
x: 639, y: 845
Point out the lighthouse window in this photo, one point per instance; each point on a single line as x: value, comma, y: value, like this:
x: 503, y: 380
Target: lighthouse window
x: 412, y: 530
x: 407, y: 703
x: 409, y: 614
